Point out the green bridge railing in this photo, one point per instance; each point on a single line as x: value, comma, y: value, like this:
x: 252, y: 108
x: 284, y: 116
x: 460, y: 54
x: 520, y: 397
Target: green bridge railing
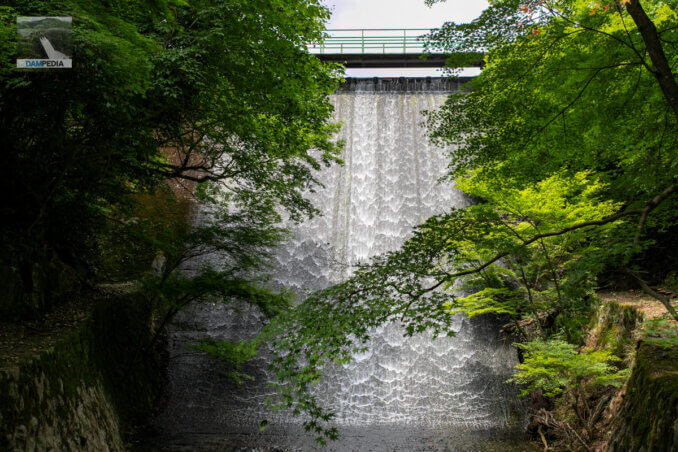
x: 371, y: 40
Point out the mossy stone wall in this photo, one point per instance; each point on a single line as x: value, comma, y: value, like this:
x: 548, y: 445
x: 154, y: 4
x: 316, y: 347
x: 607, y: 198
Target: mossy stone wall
x: 86, y: 391
x: 648, y: 420
x: 613, y: 327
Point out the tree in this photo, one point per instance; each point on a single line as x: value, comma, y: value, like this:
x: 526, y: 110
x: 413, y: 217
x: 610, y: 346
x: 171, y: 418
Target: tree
x: 567, y: 139
x: 576, y: 87
x: 195, y: 91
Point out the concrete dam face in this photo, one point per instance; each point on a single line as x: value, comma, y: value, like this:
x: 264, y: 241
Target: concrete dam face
x: 403, y: 393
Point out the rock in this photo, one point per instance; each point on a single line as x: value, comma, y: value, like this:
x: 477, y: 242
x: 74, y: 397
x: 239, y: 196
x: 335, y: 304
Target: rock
x: 648, y: 420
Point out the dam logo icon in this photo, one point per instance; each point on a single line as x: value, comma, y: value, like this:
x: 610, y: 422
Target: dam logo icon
x: 44, y: 42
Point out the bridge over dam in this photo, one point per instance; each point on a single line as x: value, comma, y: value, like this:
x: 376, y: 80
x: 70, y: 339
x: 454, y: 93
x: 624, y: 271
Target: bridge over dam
x: 386, y: 48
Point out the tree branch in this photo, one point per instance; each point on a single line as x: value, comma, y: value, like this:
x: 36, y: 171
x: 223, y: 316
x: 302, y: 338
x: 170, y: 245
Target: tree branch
x: 661, y: 70
x: 650, y: 205
x: 666, y: 301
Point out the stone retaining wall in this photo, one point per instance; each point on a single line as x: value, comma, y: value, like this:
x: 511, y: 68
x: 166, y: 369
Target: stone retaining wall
x: 84, y: 390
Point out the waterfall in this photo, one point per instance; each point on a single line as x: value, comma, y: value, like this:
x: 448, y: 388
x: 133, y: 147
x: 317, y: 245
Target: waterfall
x: 402, y: 392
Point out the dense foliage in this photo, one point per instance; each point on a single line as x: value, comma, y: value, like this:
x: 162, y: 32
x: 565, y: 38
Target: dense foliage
x: 206, y: 91
x: 555, y: 365
x: 570, y: 87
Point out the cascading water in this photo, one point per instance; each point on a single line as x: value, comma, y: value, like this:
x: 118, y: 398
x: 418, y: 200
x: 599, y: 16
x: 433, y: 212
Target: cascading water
x: 404, y: 393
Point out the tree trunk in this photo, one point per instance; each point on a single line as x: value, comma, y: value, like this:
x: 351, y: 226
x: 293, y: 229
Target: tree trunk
x: 662, y: 70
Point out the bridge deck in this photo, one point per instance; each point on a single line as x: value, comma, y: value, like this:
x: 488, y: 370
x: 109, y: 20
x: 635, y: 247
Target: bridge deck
x: 385, y: 48
x: 388, y: 60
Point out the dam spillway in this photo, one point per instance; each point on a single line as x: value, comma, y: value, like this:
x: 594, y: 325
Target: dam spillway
x: 403, y: 393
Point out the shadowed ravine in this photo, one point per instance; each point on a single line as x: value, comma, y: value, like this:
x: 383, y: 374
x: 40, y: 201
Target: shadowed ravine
x: 404, y: 393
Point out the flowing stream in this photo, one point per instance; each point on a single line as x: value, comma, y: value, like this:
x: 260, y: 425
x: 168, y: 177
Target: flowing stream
x: 404, y: 393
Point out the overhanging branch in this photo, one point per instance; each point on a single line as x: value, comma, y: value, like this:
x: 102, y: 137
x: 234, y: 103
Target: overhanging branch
x: 650, y: 205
